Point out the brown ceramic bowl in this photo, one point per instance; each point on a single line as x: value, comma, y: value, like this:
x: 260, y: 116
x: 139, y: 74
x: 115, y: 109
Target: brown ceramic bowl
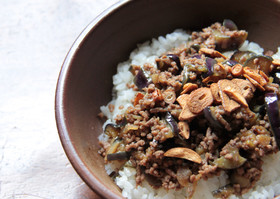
x: 85, y: 81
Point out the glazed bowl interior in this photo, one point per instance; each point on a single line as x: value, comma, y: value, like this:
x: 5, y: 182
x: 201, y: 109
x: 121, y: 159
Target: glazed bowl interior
x: 85, y: 81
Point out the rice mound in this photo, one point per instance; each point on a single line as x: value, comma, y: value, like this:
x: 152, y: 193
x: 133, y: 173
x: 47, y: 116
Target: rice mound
x: 267, y: 187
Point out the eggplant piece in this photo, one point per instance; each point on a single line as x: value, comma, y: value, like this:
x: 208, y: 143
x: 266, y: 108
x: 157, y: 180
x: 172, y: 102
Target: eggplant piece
x: 229, y: 42
x: 196, y: 47
x: 210, y: 66
x: 198, y: 69
x: 172, y: 123
x: 224, y: 163
x: 112, y: 130
x: 168, y: 118
x: 185, y: 74
x: 142, y: 79
x: 118, y: 156
x: 229, y: 24
x: 236, y: 161
x: 113, y: 148
x: 272, y: 107
x: 223, y: 192
x: 242, y: 56
x: 259, y: 109
x: 276, y: 78
x: 260, y: 62
x: 196, y: 56
x: 113, y: 174
x: 164, y: 62
x: 208, y: 114
x: 153, y: 181
x: 175, y: 58
x: 230, y: 62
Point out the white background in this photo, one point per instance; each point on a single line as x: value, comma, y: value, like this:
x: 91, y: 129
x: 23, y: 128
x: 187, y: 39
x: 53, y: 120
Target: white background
x: 35, y: 36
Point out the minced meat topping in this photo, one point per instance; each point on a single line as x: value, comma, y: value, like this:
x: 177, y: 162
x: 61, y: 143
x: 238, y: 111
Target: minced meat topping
x: 198, y: 113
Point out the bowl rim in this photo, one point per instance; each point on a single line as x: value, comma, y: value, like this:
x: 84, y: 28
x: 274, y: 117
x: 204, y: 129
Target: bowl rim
x: 71, y: 153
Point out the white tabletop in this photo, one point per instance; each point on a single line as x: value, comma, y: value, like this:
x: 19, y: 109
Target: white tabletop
x: 35, y: 36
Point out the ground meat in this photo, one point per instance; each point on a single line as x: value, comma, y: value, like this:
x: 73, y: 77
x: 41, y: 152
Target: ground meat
x: 209, y: 141
x: 218, y: 113
x: 166, y: 79
x: 238, y: 139
x: 206, y: 36
x: 207, y: 171
x: 111, y: 107
x: 165, y: 63
x: 245, y: 177
x: 135, y: 145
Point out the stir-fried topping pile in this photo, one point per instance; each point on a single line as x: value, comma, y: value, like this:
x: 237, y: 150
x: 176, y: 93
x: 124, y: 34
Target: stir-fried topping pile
x: 199, y: 113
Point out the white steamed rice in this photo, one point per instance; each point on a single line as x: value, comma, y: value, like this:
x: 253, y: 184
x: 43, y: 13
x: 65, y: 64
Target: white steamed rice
x: 266, y: 188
